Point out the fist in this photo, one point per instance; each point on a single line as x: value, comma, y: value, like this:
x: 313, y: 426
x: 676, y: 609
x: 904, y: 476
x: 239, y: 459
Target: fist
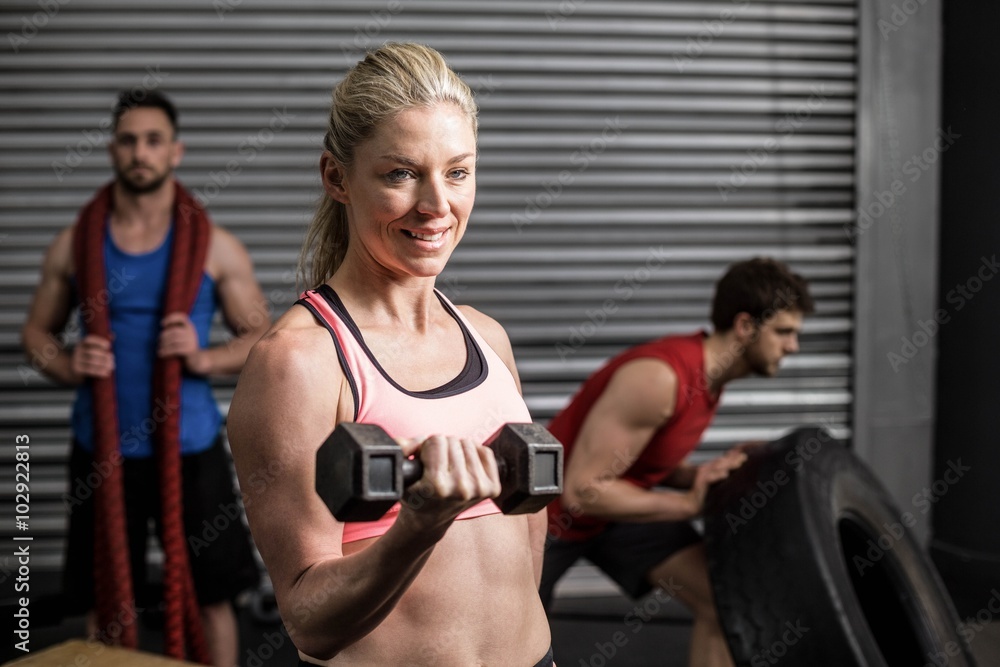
x: 179, y: 338
x: 92, y: 357
x: 458, y: 474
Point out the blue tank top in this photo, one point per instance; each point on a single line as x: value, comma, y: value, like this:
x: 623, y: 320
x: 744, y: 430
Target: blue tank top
x: 136, y: 285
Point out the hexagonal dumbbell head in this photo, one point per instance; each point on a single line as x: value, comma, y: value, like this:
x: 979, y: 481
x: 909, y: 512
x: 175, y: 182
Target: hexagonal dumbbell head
x: 359, y: 472
x: 530, y: 462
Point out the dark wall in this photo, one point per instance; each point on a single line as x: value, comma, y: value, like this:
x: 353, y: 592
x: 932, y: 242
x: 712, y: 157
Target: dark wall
x: 965, y: 495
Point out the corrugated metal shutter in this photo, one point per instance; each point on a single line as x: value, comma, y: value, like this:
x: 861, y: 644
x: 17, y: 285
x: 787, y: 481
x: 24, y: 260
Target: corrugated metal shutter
x: 630, y: 151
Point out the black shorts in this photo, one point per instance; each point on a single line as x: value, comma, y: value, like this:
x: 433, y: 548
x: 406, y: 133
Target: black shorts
x: 219, y: 546
x: 626, y: 552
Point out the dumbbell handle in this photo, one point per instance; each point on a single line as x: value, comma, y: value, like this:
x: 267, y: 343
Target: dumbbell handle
x: 413, y: 469
x: 361, y: 472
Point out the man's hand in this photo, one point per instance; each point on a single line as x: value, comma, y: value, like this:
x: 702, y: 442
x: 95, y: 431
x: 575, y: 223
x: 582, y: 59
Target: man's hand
x: 710, y: 472
x: 747, y: 445
x: 180, y: 339
x: 92, y: 357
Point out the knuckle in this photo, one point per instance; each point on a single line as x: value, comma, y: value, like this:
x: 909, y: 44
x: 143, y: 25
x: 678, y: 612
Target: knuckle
x: 464, y: 489
x: 441, y: 484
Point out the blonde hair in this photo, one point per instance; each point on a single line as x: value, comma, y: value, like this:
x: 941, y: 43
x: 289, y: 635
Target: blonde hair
x: 389, y: 80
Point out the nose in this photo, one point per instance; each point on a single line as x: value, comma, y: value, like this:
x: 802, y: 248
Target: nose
x: 433, y: 198
x: 793, y: 344
x: 140, y: 150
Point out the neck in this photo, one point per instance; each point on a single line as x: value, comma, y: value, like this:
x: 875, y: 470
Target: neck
x: 149, y: 209
x: 380, y: 297
x: 724, y: 360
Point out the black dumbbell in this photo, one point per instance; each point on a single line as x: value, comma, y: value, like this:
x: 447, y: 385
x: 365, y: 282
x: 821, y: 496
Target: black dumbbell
x: 361, y: 472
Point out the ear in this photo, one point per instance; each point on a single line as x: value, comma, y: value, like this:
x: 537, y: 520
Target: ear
x: 334, y: 178
x: 744, y: 326
x: 175, y: 160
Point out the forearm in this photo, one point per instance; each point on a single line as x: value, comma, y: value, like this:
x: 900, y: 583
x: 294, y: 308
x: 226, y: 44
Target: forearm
x: 682, y: 477
x: 619, y: 500
x: 339, y: 601
x: 47, y: 356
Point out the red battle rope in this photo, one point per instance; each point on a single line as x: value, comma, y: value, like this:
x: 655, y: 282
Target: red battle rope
x: 112, y: 573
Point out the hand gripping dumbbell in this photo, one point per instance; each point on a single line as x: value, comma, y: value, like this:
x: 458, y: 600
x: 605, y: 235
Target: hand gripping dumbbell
x: 361, y: 472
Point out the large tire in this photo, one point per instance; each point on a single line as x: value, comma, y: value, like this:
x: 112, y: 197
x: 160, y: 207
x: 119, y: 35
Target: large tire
x: 813, y: 565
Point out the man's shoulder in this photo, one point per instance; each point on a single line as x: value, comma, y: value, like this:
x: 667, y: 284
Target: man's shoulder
x: 65, y: 236
x: 646, y: 370
x: 672, y: 364
x: 60, y: 252
x: 223, y: 235
x: 226, y: 254
x: 675, y: 351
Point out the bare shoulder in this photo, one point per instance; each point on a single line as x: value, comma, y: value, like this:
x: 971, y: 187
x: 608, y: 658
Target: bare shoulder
x: 495, y: 336
x: 226, y: 253
x: 286, y: 399
x: 64, y: 239
x: 224, y: 238
x: 295, y: 346
x: 647, y: 370
x: 489, y: 329
x: 646, y: 386
x: 59, y: 256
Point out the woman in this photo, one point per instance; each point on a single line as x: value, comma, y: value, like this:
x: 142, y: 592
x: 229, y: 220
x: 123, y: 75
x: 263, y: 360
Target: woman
x: 446, y: 580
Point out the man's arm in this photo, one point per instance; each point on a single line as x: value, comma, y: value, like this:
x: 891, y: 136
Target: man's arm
x: 638, y: 400
x: 685, y: 475
x: 47, y: 317
x: 682, y: 477
x: 243, y: 307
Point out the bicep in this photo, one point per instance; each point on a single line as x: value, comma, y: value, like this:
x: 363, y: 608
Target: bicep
x: 636, y: 403
x: 281, y: 413
x: 52, y: 301
x: 240, y: 295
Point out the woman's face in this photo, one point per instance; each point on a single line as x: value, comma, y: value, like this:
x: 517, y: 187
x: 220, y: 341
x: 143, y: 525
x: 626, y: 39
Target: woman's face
x: 410, y: 191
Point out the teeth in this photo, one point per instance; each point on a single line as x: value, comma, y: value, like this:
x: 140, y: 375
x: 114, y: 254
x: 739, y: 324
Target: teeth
x: 427, y: 237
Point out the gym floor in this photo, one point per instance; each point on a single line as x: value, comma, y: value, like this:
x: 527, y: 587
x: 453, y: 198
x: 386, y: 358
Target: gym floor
x: 592, y: 626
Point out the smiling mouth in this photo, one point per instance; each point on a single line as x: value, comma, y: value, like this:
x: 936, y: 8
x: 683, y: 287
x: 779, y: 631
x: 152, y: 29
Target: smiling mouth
x: 424, y: 237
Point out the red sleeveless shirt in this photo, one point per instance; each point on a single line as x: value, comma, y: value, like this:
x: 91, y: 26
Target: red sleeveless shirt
x: 694, y: 409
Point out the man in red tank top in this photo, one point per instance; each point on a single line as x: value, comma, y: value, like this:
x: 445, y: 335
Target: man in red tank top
x: 630, y: 428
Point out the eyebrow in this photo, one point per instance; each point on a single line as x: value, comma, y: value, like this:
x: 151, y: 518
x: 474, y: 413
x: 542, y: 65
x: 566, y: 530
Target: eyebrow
x: 402, y: 159
x: 148, y: 133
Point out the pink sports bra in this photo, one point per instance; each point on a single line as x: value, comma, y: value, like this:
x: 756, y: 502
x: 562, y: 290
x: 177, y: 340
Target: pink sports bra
x: 481, y: 399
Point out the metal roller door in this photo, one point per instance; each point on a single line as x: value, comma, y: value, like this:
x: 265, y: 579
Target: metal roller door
x: 629, y: 152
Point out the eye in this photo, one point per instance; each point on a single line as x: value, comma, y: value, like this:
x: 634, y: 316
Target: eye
x: 398, y: 175
x: 458, y: 174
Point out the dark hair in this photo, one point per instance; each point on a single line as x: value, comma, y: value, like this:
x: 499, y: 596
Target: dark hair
x: 759, y: 287
x: 140, y: 97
